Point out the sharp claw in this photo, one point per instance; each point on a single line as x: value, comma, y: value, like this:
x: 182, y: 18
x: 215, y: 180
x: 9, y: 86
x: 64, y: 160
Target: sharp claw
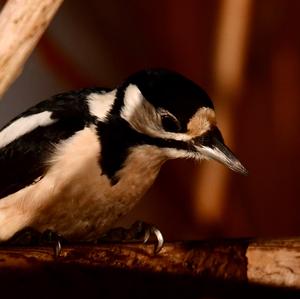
x: 160, y: 240
x: 57, y: 249
x: 158, y: 245
x: 139, y: 231
x: 147, y: 235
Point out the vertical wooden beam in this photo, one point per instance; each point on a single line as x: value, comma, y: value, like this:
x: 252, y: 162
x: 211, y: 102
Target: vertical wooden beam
x: 22, y: 23
x: 228, y: 69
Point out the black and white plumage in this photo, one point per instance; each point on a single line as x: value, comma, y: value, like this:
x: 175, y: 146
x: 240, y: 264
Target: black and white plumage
x: 78, y: 161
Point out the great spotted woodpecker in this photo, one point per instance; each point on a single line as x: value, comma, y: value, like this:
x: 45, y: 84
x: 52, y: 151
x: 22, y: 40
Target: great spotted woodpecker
x: 77, y: 162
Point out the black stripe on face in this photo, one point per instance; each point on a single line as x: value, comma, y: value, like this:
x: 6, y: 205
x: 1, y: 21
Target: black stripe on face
x: 117, y: 138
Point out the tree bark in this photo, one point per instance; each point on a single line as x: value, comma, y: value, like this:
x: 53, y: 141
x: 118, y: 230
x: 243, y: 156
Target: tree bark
x: 21, y: 25
x: 190, y: 265
x: 274, y: 262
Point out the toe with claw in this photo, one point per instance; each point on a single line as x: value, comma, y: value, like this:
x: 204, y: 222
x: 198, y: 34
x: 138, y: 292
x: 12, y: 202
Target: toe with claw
x: 139, y: 231
x: 32, y: 237
x: 152, y: 230
x: 50, y: 237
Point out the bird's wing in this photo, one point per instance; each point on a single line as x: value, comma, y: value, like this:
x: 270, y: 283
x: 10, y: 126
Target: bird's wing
x: 28, y: 141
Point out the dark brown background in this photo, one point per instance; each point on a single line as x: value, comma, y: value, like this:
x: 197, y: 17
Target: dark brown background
x: 256, y: 97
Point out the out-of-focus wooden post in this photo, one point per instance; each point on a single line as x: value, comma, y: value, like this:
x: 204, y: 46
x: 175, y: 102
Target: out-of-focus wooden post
x: 22, y: 23
x: 230, y: 53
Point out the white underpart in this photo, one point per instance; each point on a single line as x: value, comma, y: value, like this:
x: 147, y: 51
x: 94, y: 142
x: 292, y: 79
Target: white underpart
x: 25, y: 125
x: 73, y: 198
x: 101, y: 103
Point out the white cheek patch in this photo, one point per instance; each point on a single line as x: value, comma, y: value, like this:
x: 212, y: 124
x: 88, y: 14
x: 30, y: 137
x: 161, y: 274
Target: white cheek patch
x: 25, y: 125
x: 101, y: 103
x: 143, y: 117
x: 133, y: 100
x: 173, y: 153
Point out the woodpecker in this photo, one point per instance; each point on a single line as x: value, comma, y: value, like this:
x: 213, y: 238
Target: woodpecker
x: 77, y: 162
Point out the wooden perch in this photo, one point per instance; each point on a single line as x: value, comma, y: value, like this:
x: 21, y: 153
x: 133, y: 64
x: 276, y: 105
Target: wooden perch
x: 21, y: 25
x: 272, y: 263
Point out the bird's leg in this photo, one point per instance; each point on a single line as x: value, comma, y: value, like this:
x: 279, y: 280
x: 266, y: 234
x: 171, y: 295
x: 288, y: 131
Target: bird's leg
x: 50, y: 237
x: 31, y: 237
x: 139, y: 231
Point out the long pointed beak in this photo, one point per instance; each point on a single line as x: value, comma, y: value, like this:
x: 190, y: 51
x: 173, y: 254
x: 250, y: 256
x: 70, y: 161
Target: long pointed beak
x: 212, y: 146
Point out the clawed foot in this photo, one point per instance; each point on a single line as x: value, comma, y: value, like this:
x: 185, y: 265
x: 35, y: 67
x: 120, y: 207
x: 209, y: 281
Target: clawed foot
x: 152, y: 230
x: 139, y: 231
x: 32, y: 237
x: 53, y: 238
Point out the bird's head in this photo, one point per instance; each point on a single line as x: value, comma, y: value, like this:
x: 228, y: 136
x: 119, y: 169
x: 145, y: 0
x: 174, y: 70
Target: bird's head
x: 175, y: 114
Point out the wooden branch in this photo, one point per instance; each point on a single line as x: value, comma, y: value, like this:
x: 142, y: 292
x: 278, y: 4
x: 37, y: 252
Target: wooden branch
x: 272, y: 263
x: 21, y: 25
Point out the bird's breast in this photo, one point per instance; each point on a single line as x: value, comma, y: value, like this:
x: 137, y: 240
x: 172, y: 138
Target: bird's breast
x: 77, y: 200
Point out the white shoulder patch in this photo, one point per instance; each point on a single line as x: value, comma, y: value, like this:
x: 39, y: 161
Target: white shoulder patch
x: 101, y: 103
x: 133, y: 99
x: 24, y: 125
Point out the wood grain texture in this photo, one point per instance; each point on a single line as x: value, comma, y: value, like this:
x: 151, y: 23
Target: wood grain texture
x: 195, y: 269
x: 274, y: 262
x: 21, y: 25
x: 225, y: 261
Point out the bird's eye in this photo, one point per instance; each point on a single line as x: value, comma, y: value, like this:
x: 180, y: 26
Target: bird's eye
x: 170, y: 123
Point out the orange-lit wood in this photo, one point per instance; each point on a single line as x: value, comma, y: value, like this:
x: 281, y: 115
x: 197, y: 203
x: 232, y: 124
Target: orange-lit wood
x: 265, y: 262
x: 21, y: 25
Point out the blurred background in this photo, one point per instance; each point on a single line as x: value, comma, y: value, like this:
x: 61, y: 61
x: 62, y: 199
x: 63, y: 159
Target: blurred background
x: 244, y: 53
